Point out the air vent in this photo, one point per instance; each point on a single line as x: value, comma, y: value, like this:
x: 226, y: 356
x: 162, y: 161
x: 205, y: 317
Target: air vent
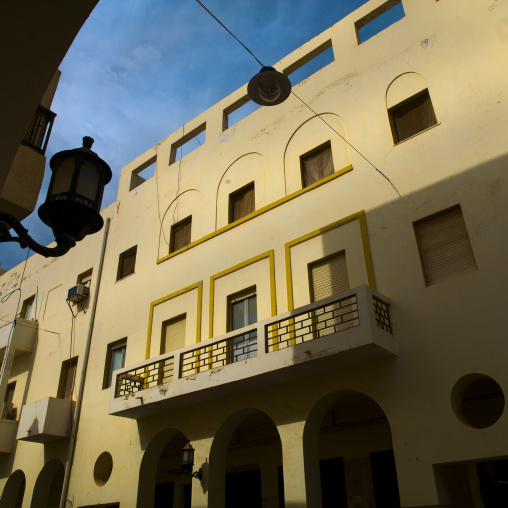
x: 77, y: 293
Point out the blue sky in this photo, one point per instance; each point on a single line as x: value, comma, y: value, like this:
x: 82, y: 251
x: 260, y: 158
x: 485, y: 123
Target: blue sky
x: 140, y: 69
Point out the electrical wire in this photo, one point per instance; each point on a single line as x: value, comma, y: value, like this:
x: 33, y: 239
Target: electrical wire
x: 303, y: 102
x: 344, y: 139
x: 229, y: 31
x: 3, y: 300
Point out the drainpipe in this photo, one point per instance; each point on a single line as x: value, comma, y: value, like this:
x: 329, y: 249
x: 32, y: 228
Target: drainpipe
x: 79, y: 398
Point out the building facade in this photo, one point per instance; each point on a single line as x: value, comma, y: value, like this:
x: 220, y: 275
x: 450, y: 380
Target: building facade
x: 313, y: 297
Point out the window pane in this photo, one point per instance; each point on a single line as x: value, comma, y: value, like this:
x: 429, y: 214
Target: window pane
x: 238, y: 315
x: 317, y: 165
x: 69, y: 378
x: 116, y: 360
x: 29, y: 305
x: 127, y: 264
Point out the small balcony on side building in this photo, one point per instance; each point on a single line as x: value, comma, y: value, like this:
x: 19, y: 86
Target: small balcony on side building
x: 345, y: 329
x: 22, y: 337
x: 45, y: 420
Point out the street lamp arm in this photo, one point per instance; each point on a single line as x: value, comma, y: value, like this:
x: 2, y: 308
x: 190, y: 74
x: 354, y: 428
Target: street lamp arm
x: 63, y: 243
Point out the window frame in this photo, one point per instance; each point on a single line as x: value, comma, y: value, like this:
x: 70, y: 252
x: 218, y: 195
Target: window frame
x: 243, y: 295
x: 66, y: 364
x: 121, y: 259
x: 177, y: 227
x: 30, y: 300
x: 311, y: 153
x: 85, y: 278
x: 234, y: 195
x: 404, y: 103
x: 108, y: 373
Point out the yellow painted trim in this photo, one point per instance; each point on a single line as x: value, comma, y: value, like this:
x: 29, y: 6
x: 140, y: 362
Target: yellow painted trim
x: 262, y: 210
x: 360, y: 216
x: 239, y: 266
x: 199, y: 287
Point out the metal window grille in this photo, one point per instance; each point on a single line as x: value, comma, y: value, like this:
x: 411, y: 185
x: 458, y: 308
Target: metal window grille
x: 230, y: 350
x: 382, y: 314
x: 313, y: 324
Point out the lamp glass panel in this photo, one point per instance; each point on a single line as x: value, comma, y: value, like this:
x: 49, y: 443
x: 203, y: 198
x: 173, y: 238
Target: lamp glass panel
x: 88, y: 180
x: 188, y: 457
x: 62, y: 176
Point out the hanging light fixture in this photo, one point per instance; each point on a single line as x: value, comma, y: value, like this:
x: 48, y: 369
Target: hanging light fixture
x: 269, y: 87
x: 72, y: 204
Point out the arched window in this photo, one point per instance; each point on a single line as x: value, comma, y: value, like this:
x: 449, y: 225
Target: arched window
x: 409, y: 106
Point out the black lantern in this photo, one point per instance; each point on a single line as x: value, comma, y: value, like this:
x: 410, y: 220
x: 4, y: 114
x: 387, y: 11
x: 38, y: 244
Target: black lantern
x: 73, y: 202
x: 269, y: 87
x: 75, y: 192
x: 188, y: 463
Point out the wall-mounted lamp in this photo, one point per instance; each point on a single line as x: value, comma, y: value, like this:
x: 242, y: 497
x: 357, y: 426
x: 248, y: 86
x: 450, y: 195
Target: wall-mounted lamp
x: 269, y: 87
x: 188, y: 463
x: 73, y: 202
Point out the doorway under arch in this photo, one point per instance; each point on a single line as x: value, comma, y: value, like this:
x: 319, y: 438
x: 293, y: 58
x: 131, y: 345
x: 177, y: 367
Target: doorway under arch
x: 14, y: 490
x: 246, y: 462
x: 48, y: 487
x: 352, y: 437
x: 160, y: 484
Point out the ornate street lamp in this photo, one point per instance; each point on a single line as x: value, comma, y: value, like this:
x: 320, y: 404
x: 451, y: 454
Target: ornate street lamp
x: 73, y: 202
x: 269, y: 87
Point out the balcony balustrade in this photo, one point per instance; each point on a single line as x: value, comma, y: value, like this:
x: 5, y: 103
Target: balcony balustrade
x: 353, y: 326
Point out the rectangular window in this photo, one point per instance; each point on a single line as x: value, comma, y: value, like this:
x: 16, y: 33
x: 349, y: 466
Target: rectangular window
x: 317, y: 164
x: 9, y: 412
x: 115, y: 359
x: 126, y: 263
x: 241, y: 203
x: 180, y: 234
x: 412, y: 116
x: 67, y: 378
x: 242, y: 309
x: 173, y: 334
x: 444, y: 245
x: 28, y: 308
x: 328, y: 276
x: 86, y: 278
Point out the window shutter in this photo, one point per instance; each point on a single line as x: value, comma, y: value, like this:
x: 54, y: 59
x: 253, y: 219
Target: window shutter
x: 444, y: 245
x: 241, y: 203
x: 181, y: 233
x: 413, y: 117
x: 174, y: 334
x: 328, y: 277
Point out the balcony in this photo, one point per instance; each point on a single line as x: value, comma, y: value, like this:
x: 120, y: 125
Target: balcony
x: 8, y: 429
x: 23, y: 336
x: 45, y: 420
x: 348, y: 328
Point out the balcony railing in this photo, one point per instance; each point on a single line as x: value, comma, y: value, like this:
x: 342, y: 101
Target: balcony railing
x: 322, y: 323
x: 37, y: 134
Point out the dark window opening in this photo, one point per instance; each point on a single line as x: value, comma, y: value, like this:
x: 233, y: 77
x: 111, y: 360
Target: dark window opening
x: 241, y: 203
x: 180, y: 234
x: 317, y: 164
x: 126, y: 263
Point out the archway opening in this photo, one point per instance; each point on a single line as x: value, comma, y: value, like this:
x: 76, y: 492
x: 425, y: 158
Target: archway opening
x: 356, y: 461
x: 253, y: 464
x: 14, y: 490
x: 161, y: 482
x: 48, y: 487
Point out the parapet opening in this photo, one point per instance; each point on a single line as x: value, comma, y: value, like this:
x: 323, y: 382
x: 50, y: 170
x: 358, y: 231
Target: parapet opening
x: 238, y: 111
x: 379, y: 19
x: 312, y: 62
x: 143, y: 173
x: 187, y: 143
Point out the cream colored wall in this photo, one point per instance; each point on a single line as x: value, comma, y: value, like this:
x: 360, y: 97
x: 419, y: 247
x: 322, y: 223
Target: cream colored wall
x: 444, y: 331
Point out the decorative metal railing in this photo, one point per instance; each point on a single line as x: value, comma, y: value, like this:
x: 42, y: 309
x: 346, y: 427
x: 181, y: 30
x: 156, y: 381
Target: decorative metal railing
x: 281, y: 332
x: 37, y: 134
x: 230, y: 350
x: 382, y: 314
x: 147, y: 376
x: 331, y: 318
